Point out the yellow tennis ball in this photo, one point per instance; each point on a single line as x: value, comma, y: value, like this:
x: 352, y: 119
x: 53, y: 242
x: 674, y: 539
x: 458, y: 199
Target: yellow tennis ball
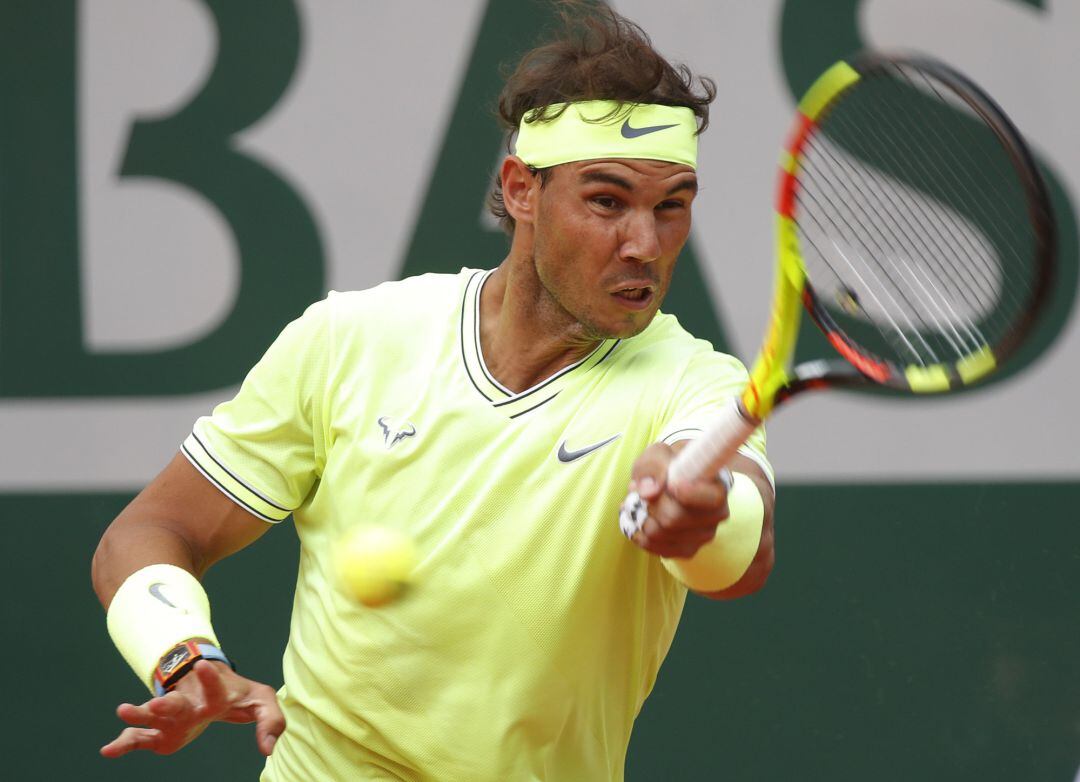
x: 375, y: 564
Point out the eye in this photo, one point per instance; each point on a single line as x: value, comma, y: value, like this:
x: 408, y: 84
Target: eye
x: 605, y: 202
x: 670, y: 205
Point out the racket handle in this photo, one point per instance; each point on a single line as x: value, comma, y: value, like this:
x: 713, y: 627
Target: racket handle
x: 707, y: 455
x: 717, y: 445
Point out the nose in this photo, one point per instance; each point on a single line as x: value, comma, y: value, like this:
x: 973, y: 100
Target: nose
x: 640, y: 240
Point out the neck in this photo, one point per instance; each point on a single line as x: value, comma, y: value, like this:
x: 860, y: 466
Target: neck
x: 525, y: 335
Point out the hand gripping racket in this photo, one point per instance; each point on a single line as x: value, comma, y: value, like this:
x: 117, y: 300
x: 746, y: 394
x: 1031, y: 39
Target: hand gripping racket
x: 915, y: 229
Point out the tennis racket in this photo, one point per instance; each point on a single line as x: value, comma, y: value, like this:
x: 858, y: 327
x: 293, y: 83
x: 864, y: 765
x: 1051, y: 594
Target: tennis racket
x: 915, y: 230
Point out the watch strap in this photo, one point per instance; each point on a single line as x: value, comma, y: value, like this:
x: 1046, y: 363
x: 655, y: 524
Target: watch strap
x: 179, y: 661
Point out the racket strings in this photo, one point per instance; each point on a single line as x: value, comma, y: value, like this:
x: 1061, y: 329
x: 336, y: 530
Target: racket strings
x: 972, y: 168
x: 897, y: 335
x: 900, y: 297
x: 901, y: 203
x: 975, y: 173
x: 912, y: 298
x: 1002, y: 228
x: 881, y: 242
x: 919, y: 222
x: 934, y: 224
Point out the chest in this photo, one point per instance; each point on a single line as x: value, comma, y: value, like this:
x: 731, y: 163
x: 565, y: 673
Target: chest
x: 429, y: 454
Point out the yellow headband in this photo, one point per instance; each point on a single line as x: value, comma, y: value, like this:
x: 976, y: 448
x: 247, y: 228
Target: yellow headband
x: 638, y: 130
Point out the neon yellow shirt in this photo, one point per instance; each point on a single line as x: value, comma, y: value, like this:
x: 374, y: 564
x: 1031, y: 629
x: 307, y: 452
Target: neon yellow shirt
x: 535, y: 630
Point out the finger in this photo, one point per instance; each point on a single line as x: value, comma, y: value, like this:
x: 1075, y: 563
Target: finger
x: 697, y: 538
x: 650, y: 470
x: 693, y: 537
x: 663, y: 543
x: 674, y: 517
x: 131, y: 739
x: 667, y: 549
x: 269, y: 723
x: 135, y: 715
x: 215, y: 696
x: 648, y: 486
x: 671, y: 541
x: 706, y: 495
x: 681, y: 551
x: 170, y: 705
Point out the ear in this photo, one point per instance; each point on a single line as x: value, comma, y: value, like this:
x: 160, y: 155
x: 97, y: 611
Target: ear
x: 520, y: 188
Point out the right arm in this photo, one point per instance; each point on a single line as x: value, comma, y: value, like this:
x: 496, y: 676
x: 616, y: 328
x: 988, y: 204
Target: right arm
x: 181, y: 519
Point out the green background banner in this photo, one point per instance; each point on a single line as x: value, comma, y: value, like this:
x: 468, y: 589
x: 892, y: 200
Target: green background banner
x: 908, y: 632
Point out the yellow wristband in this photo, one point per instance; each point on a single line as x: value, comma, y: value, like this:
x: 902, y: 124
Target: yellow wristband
x: 725, y: 559
x: 155, y: 609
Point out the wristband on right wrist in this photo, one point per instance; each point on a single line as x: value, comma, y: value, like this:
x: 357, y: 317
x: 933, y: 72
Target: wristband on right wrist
x: 725, y: 559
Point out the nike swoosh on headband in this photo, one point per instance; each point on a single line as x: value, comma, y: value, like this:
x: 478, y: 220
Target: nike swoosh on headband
x: 631, y: 132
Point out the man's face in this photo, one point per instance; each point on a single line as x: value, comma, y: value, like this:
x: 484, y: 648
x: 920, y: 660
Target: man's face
x: 606, y: 237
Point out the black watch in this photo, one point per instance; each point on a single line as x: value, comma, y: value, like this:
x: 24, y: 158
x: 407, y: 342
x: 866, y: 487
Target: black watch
x: 176, y: 663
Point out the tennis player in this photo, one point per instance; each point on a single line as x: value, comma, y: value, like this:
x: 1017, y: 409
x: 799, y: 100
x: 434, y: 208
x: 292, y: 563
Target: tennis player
x: 498, y: 417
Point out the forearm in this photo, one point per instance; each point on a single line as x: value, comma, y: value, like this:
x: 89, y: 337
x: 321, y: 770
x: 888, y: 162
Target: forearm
x: 130, y: 544
x: 146, y: 574
x: 179, y: 519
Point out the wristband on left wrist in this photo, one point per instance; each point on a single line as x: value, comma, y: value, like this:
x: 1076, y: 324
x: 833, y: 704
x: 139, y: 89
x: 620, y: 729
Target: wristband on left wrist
x: 158, y: 607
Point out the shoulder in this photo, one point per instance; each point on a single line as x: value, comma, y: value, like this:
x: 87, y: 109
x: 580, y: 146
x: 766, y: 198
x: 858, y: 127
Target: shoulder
x: 409, y: 306
x: 399, y: 298
x: 401, y: 317
x: 666, y: 347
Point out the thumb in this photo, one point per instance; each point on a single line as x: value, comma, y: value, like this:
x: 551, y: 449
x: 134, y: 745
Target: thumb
x: 269, y: 725
x: 649, y: 474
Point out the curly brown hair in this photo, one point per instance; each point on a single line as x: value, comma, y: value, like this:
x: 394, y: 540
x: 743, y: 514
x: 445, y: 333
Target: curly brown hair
x: 596, y: 55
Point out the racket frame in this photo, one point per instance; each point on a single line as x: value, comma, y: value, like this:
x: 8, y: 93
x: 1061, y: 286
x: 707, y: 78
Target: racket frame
x: 773, y: 379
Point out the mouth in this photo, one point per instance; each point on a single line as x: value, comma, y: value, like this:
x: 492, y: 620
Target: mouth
x: 634, y: 297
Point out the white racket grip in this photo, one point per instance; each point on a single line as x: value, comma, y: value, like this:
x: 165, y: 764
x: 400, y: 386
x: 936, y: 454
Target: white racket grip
x: 707, y: 455
x: 716, y: 446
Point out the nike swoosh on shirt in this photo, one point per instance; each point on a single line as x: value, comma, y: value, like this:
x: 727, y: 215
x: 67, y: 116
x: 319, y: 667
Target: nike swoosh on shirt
x: 631, y: 132
x: 566, y: 456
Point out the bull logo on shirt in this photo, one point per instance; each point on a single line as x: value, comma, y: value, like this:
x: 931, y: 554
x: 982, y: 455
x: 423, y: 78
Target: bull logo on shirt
x: 394, y: 432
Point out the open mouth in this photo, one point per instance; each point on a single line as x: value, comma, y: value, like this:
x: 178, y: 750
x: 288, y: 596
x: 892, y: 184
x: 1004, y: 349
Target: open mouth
x: 635, y: 298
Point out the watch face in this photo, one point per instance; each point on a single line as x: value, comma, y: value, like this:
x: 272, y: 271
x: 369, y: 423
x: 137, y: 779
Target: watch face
x: 174, y: 660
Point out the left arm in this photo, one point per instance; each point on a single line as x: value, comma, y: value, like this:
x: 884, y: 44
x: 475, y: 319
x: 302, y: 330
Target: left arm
x: 684, y: 516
